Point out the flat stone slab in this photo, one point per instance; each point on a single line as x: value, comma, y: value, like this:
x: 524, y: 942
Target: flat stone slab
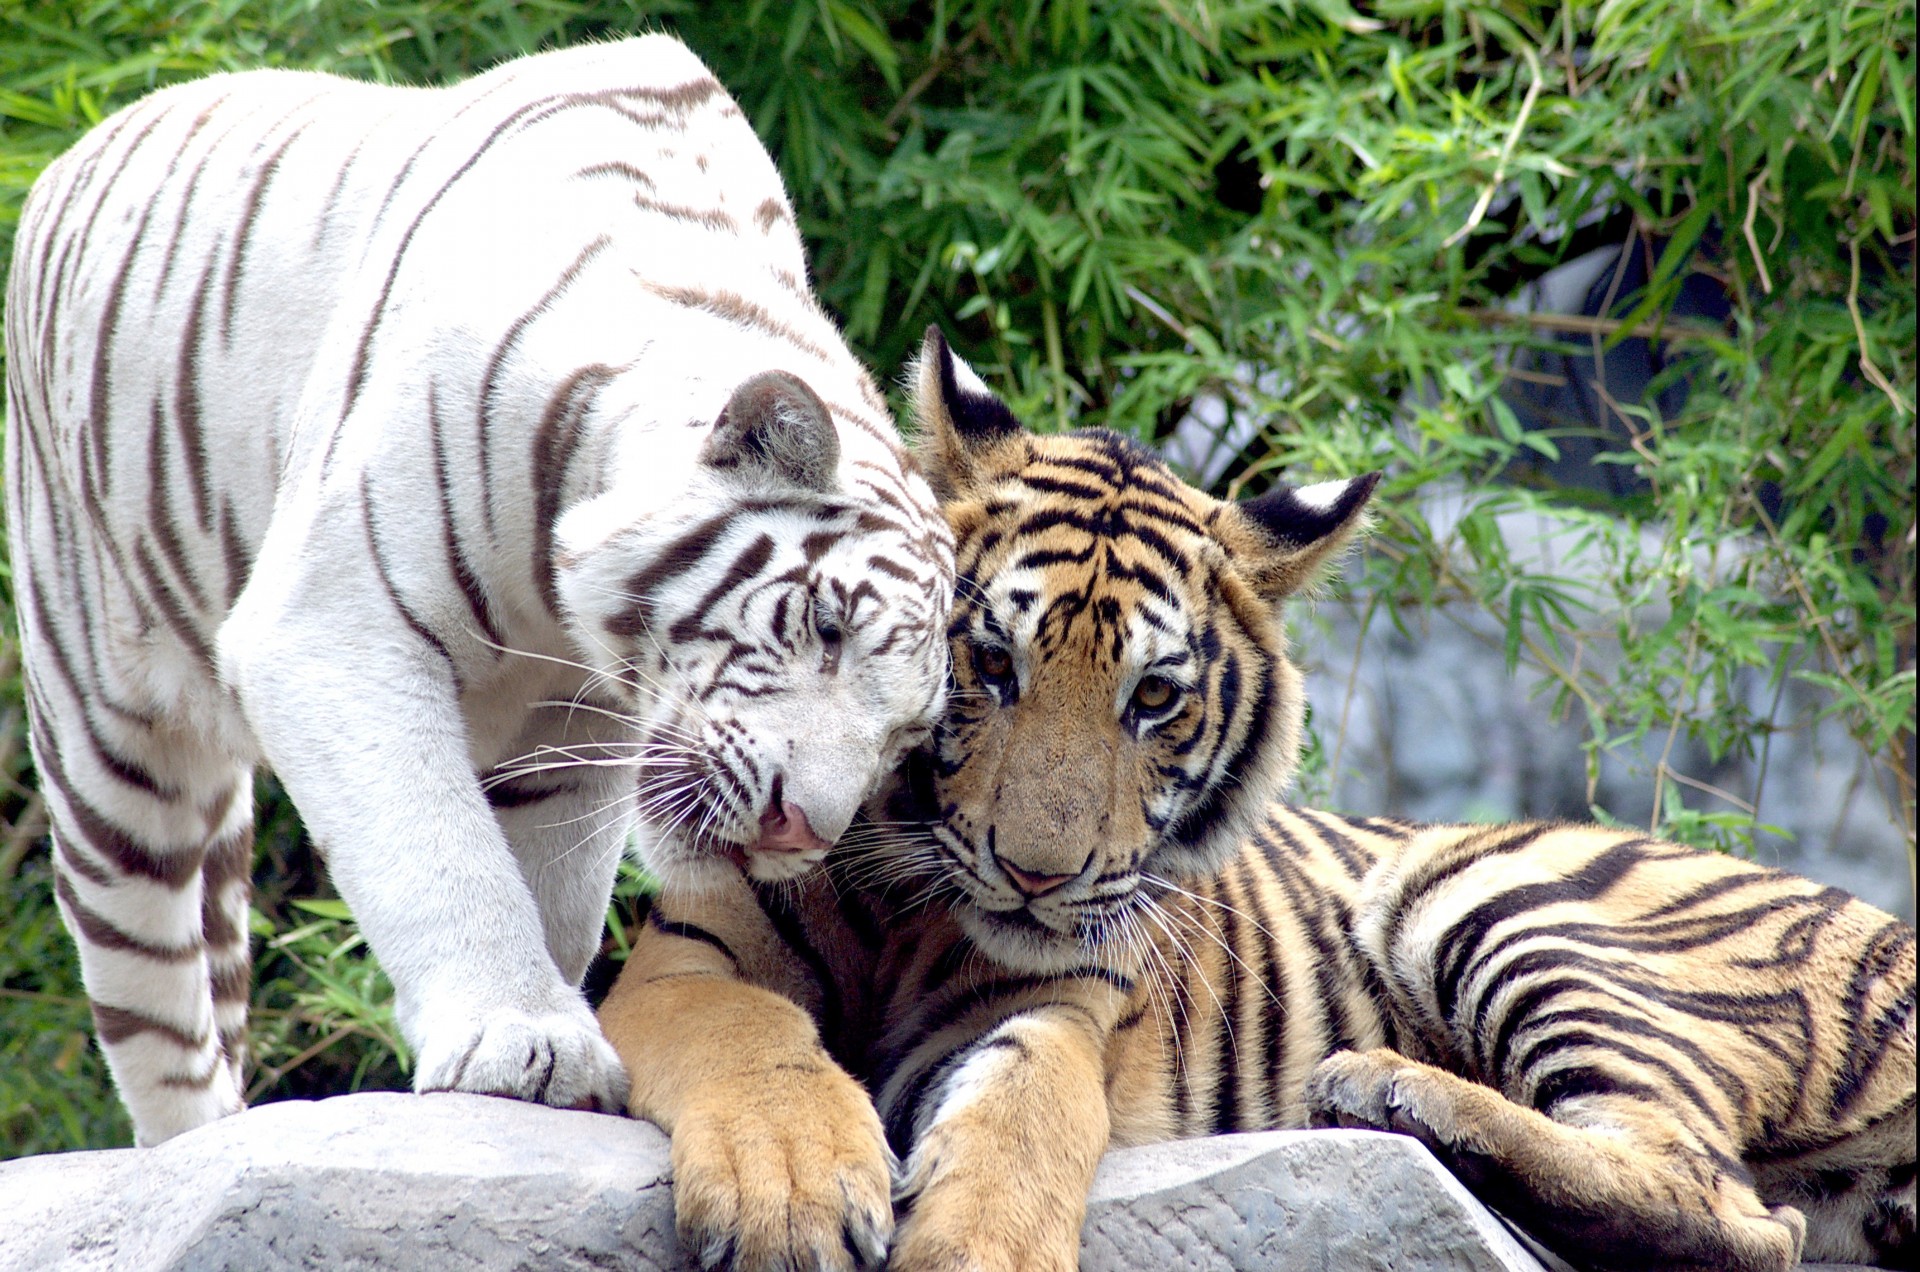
x: 463, y: 1182
x: 373, y: 1181
x: 1291, y: 1201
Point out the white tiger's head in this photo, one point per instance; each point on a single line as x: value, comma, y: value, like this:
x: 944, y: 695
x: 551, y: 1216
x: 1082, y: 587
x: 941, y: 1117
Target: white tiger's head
x: 777, y: 629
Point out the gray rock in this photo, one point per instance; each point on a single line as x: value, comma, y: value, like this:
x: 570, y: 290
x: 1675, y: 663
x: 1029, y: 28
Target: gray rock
x: 1290, y: 1201
x: 384, y: 1180
x: 446, y: 1182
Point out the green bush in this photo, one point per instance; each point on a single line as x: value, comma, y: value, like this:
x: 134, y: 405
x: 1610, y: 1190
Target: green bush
x: 1317, y: 215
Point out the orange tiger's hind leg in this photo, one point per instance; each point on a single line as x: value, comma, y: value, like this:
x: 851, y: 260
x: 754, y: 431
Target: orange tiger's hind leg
x: 1629, y: 1188
x: 1856, y: 1192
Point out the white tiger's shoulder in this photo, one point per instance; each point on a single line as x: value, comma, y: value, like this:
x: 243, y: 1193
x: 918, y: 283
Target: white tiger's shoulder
x: 641, y: 61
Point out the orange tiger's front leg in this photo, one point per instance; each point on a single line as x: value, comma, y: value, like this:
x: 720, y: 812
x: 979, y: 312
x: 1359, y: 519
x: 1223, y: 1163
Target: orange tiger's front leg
x: 1006, y: 1132
x: 779, y: 1160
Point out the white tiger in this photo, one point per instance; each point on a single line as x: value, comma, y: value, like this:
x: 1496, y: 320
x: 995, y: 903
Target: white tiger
x: 479, y: 459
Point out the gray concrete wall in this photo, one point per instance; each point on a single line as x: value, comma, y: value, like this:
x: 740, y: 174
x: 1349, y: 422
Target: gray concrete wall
x: 1431, y: 725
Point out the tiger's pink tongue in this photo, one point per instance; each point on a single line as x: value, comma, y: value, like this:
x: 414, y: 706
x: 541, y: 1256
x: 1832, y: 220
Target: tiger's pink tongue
x: 785, y: 829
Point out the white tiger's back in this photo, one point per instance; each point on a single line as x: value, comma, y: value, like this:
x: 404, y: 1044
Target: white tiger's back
x: 352, y: 428
x: 185, y: 267
x: 329, y: 175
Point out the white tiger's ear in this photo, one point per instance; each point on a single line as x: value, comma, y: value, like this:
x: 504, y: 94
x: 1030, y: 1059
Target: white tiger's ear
x: 960, y: 418
x: 775, y: 426
x: 1298, y: 532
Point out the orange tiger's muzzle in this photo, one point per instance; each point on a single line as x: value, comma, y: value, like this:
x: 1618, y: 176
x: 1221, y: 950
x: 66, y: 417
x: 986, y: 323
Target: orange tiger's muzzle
x: 1064, y: 796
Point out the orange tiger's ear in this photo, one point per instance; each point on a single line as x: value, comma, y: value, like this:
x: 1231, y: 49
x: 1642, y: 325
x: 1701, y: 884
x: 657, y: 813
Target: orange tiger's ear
x: 1290, y: 534
x: 961, y: 421
x: 776, y: 428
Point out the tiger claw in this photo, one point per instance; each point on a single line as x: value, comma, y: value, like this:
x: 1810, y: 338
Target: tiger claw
x: 793, y: 1180
x: 1350, y: 1090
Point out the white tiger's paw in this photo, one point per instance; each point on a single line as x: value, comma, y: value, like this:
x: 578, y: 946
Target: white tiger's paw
x: 556, y: 1057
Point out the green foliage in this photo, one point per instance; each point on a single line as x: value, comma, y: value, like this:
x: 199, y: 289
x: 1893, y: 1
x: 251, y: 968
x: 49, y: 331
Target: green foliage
x: 55, y: 1093
x: 1316, y: 215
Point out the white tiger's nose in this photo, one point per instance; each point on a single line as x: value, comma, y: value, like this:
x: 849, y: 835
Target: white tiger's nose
x: 784, y: 828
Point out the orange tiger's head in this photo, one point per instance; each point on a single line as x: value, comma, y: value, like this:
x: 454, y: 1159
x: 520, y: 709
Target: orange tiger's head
x: 1122, y: 707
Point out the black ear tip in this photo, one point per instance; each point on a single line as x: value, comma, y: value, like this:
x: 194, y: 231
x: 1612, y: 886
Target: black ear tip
x: 1291, y: 519
x: 1354, y: 497
x: 975, y: 411
x: 1359, y: 490
x: 934, y: 351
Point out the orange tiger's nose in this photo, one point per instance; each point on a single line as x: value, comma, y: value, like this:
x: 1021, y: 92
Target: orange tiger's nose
x: 784, y: 828
x: 1033, y: 885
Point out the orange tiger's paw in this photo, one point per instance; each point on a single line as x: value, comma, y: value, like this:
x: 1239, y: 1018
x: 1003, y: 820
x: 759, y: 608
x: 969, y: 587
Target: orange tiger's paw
x: 973, y: 1205
x: 1383, y: 1090
x: 792, y: 1174
x: 1377, y: 1090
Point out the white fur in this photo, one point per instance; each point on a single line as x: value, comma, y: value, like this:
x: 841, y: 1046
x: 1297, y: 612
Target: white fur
x: 968, y: 381
x: 978, y: 1075
x: 471, y: 233
x: 1322, y: 496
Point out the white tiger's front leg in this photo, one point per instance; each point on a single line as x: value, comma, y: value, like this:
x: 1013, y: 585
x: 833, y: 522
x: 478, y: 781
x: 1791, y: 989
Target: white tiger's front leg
x: 372, y: 746
x: 565, y: 801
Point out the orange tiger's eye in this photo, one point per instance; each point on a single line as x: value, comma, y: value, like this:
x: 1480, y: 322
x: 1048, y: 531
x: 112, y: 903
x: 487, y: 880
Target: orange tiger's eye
x: 1153, y: 693
x: 994, y: 663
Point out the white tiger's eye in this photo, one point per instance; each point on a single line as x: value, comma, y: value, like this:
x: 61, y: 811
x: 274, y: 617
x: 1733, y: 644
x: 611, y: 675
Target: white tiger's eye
x: 827, y: 628
x: 1153, y: 693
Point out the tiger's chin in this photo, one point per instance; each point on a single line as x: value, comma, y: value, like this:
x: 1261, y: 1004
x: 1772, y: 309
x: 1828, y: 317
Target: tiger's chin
x: 1022, y: 942
x: 780, y: 865
x: 707, y: 862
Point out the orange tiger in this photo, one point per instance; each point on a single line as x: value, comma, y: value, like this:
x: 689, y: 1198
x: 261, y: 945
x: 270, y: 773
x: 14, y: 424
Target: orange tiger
x: 1081, y: 918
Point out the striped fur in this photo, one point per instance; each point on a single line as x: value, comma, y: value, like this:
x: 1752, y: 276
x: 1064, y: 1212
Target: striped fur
x: 1647, y: 1055
x: 479, y: 459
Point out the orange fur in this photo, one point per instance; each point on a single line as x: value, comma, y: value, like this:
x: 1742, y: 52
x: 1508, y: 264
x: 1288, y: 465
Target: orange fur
x: 1080, y: 919
x: 777, y: 1153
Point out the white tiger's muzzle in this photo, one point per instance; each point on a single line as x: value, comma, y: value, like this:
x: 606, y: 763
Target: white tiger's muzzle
x: 787, y: 846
